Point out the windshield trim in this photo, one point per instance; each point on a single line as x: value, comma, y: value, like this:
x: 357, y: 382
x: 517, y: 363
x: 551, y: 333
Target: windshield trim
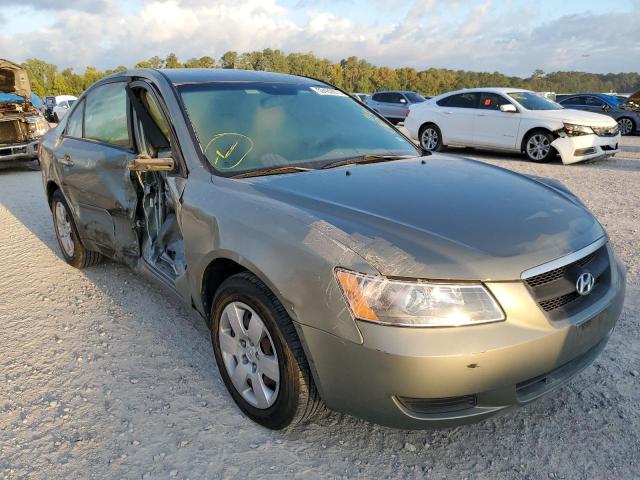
x: 312, y: 165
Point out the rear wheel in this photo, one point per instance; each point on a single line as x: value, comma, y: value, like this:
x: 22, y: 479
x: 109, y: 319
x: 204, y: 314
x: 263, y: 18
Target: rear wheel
x: 537, y: 146
x: 626, y: 126
x: 430, y: 138
x: 260, y: 356
x: 71, y: 247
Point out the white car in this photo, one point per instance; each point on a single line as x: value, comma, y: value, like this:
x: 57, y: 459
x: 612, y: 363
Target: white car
x: 514, y: 120
x: 64, y: 103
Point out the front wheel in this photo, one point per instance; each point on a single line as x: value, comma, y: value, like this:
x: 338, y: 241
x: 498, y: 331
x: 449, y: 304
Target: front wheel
x: 259, y: 354
x: 537, y: 146
x: 431, y: 138
x: 626, y: 126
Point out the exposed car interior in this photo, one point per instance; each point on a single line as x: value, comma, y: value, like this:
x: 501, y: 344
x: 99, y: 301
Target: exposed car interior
x: 161, y: 240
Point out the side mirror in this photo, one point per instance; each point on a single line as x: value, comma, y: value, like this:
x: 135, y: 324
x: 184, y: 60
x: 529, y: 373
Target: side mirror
x: 605, y: 108
x: 508, y: 108
x: 148, y: 164
x: 403, y: 100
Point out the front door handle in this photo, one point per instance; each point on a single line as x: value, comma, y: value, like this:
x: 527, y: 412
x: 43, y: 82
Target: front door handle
x: 66, y: 160
x: 482, y: 114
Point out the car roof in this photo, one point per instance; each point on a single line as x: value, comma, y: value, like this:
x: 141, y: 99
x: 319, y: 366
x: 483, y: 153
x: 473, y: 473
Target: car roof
x: 490, y: 90
x: 179, y: 76
x: 395, y: 91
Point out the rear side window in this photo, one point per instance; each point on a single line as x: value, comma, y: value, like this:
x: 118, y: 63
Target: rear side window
x: 396, y: 98
x: 105, y: 116
x: 573, y: 101
x: 74, y: 124
x: 492, y: 101
x: 460, y: 100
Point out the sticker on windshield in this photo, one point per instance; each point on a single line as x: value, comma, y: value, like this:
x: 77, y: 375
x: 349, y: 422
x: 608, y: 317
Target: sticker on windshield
x: 327, y: 91
x: 226, y: 151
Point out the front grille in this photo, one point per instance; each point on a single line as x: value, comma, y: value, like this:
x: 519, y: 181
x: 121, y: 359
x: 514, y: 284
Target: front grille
x: 606, y: 131
x: 12, y: 131
x: 555, y: 290
x: 434, y: 406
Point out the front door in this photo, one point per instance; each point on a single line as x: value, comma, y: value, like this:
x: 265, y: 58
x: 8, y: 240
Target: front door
x: 92, y: 158
x: 493, y: 127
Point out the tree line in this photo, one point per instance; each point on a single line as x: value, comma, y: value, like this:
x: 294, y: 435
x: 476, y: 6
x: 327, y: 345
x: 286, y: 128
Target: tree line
x: 352, y: 74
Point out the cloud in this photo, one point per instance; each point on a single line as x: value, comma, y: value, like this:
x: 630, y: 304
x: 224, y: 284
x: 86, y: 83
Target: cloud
x: 85, y: 5
x: 459, y: 35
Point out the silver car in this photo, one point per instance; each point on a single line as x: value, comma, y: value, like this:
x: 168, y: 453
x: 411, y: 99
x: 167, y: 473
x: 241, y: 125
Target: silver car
x: 335, y: 265
x: 394, y: 104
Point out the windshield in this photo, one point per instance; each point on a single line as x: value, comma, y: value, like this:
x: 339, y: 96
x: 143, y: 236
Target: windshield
x: 244, y: 126
x: 415, y: 97
x: 531, y: 101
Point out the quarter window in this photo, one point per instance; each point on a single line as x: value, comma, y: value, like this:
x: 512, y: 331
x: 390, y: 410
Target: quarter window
x: 74, y: 124
x: 106, y: 115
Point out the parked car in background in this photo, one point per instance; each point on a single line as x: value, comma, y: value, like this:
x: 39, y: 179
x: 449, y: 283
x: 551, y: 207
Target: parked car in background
x: 628, y: 120
x: 362, y: 97
x: 258, y: 199
x: 21, y: 123
x: 60, y: 110
x: 512, y: 120
x: 51, y: 101
x: 394, y: 104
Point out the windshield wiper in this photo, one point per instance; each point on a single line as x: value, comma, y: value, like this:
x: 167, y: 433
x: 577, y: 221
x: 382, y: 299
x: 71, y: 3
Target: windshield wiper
x: 272, y: 171
x: 365, y: 159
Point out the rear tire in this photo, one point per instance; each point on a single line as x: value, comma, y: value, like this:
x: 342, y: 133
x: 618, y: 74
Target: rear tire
x: 627, y: 127
x: 69, y: 242
x: 430, y: 137
x: 290, y: 399
x: 537, y: 146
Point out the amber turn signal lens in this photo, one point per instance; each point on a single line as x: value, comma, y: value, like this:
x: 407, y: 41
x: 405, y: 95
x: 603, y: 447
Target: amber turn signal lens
x: 352, y: 291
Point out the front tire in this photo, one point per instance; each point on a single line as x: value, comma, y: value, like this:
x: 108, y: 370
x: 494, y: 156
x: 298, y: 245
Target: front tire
x: 69, y: 242
x: 260, y: 356
x: 537, y: 146
x: 430, y: 137
x: 627, y: 127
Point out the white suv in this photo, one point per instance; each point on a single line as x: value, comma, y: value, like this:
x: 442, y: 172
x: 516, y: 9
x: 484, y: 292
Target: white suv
x: 512, y: 120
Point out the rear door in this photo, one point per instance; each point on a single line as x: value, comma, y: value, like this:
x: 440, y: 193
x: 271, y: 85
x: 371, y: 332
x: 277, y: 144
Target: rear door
x: 457, y: 116
x: 92, y: 159
x: 492, y: 127
x: 577, y: 102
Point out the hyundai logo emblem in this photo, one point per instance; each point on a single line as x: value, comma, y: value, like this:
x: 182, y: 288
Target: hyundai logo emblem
x: 585, y: 283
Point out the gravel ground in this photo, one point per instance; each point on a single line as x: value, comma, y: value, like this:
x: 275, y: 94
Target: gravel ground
x: 102, y: 375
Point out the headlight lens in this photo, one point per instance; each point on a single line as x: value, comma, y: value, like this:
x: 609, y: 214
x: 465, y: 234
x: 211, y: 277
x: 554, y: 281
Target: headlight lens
x: 573, y: 130
x: 38, y: 126
x: 417, y: 303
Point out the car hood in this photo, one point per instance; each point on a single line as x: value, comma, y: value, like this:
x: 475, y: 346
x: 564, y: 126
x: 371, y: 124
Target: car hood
x: 438, y: 217
x: 14, y: 79
x: 632, y: 103
x: 579, y: 117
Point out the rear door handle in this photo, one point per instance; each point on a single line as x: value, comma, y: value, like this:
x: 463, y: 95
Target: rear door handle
x: 447, y: 113
x: 66, y: 160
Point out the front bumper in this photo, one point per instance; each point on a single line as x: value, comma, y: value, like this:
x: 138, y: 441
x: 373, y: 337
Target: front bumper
x: 586, y: 147
x: 422, y: 378
x: 21, y: 151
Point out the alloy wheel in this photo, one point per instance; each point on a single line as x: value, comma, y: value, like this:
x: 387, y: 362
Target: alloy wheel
x: 63, y: 227
x: 538, y: 146
x: 429, y: 138
x: 249, y: 355
x: 626, y: 126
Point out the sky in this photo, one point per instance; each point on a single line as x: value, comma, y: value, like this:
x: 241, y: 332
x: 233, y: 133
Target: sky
x: 514, y: 37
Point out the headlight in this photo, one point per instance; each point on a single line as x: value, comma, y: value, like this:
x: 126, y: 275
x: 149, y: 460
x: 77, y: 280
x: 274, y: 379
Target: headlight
x: 416, y: 303
x: 576, y: 130
x: 38, y: 126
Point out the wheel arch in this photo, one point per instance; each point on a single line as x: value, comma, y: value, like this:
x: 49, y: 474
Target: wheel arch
x: 531, y: 131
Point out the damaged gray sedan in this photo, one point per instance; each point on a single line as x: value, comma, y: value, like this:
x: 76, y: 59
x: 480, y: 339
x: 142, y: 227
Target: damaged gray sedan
x: 334, y: 263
